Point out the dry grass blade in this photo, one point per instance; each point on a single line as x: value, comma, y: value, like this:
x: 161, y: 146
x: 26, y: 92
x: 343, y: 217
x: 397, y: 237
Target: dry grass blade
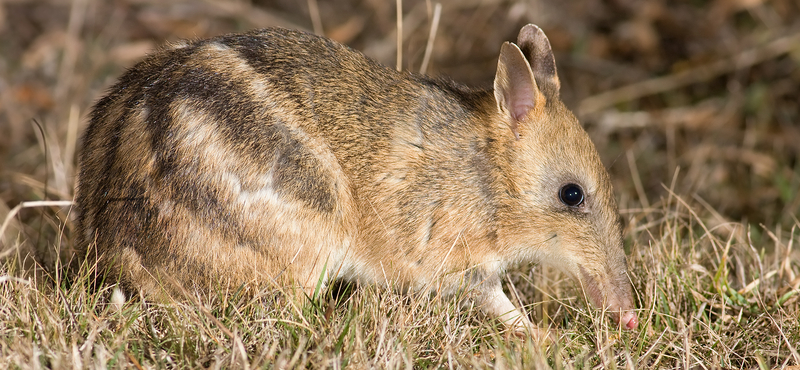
x: 32, y: 204
x: 431, y: 37
x: 399, y: 64
x: 316, y: 20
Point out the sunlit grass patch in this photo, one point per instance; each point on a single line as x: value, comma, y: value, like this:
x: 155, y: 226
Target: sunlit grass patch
x: 706, y: 296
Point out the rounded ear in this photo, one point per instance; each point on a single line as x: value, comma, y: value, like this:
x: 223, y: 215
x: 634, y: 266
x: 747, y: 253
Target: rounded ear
x: 536, y: 48
x: 514, y: 85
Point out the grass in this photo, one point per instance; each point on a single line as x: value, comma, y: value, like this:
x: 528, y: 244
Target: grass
x: 707, y: 298
x: 705, y: 164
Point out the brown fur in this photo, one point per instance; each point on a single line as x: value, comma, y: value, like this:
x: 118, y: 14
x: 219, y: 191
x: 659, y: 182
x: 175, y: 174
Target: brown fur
x: 277, y: 157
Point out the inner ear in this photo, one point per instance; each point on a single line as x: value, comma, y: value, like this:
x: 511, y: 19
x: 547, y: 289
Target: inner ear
x: 514, y: 85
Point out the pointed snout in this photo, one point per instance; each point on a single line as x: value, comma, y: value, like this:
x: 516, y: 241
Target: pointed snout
x: 614, y: 294
x: 629, y: 320
x: 626, y: 318
x: 620, y: 308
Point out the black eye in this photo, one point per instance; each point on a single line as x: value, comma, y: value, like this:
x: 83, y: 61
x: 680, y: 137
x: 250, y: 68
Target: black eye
x: 571, y: 195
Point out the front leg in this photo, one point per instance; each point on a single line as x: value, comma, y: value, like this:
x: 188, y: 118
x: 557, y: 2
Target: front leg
x: 495, y: 303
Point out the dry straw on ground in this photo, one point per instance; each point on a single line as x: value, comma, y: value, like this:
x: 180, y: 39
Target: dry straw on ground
x: 693, y: 105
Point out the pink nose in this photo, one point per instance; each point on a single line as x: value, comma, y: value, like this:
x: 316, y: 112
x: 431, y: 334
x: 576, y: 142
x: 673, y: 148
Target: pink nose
x: 629, y: 320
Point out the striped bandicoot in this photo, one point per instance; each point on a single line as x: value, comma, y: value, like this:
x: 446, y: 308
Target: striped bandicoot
x: 279, y: 158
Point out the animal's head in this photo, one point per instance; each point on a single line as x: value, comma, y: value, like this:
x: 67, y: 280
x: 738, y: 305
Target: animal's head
x: 562, y: 207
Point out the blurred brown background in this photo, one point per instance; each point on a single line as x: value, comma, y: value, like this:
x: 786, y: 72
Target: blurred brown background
x: 709, y: 87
